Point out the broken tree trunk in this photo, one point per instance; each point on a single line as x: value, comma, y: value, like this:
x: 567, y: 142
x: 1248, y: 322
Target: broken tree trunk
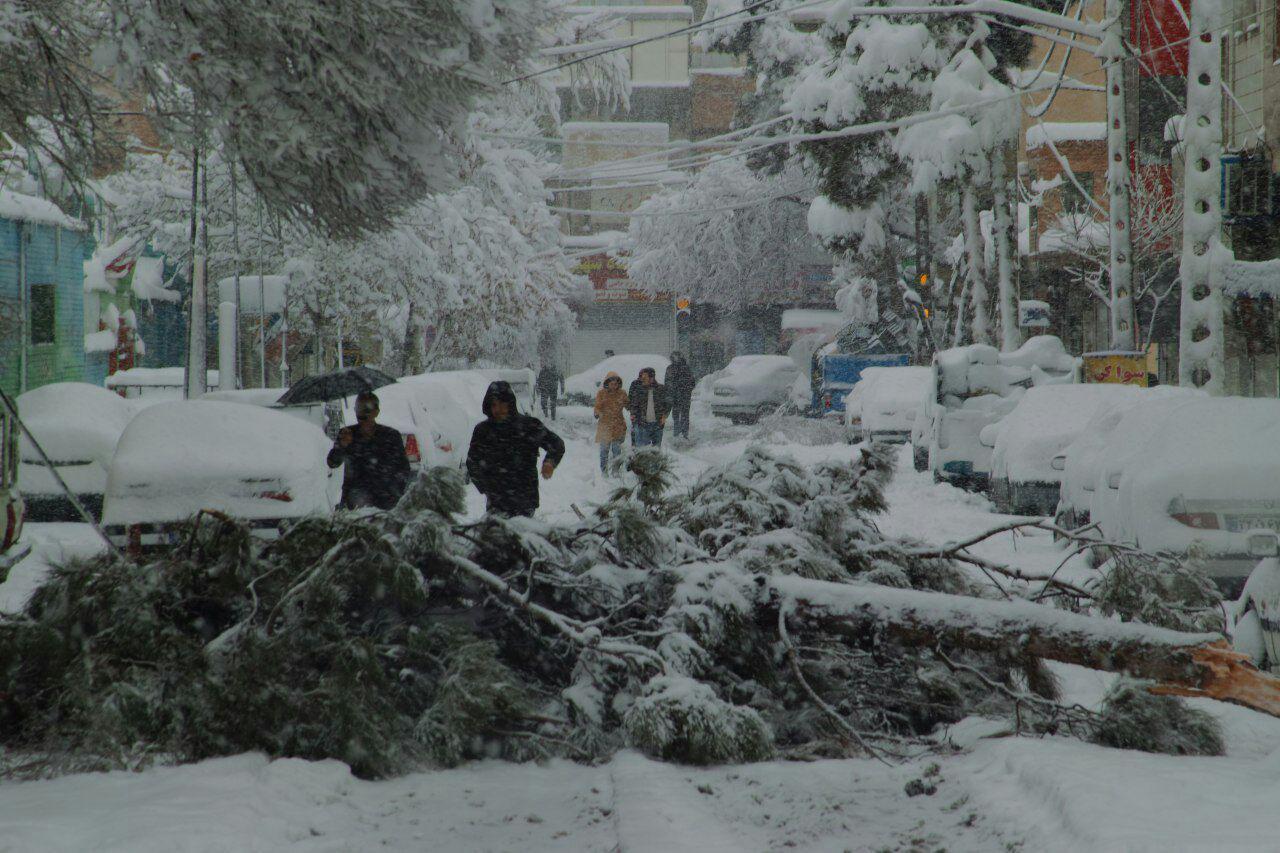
x: 1179, y: 663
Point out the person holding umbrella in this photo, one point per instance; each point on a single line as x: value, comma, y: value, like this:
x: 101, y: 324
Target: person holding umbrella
x: 502, y: 460
x: 377, y: 471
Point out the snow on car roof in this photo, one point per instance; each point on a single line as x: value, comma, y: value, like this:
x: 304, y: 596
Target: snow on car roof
x: 1047, y: 419
x: 177, y: 458
x: 231, y: 439
x: 74, y: 420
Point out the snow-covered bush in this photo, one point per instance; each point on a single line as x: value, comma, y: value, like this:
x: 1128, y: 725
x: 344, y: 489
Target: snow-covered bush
x: 1134, y: 718
x: 683, y: 720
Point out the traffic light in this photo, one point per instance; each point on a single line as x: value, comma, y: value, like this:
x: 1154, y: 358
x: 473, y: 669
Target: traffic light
x: 682, y: 307
x: 924, y: 279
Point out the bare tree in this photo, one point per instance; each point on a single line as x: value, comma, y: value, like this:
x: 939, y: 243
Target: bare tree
x: 1157, y: 226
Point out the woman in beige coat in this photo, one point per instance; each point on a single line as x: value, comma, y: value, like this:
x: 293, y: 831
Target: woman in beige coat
x: 611, y: 426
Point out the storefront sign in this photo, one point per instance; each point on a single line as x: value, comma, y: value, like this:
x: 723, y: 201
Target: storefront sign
x: 1117, y: 368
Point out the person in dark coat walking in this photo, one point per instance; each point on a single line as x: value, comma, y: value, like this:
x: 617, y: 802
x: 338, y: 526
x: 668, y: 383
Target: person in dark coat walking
x: 502, y: 460
x: 377, y: 471
x: 679, y: 381
x: 650, y: 406
x: 550, y: 385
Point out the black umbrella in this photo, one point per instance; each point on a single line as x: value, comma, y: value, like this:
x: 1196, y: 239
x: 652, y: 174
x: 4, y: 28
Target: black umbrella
x: 334, y: 386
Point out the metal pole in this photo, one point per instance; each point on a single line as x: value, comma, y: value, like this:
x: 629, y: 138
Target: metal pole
x: 195, y: 377
x: 1201, y: 354
x: 284, y: 336
x: 235, y: 272
x: 262, y: 304
x: 1112, y: 51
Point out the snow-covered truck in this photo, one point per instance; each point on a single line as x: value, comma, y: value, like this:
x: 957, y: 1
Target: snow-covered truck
x: 834, y: 375
x: 977, y: 385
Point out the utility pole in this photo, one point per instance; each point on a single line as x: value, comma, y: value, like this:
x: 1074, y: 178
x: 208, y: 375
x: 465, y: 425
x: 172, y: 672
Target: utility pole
x: 195, y: 375
x: 1201, y: 354
x: 1113, y: 52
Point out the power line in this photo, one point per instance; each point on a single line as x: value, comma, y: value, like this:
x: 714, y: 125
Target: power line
x: 627, y: 46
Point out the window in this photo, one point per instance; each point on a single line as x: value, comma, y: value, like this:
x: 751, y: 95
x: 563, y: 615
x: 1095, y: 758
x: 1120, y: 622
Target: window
x: 1072, y: 200
x: 43, y: 315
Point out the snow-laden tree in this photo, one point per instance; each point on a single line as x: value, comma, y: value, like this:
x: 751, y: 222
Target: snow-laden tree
x: 337, y: 112
x: 964, y: 150
x: 775, y: 51
x: 725, y: 238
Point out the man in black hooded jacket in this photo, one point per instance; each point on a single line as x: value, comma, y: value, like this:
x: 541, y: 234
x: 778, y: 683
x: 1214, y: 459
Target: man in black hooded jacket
x: 502, y: 460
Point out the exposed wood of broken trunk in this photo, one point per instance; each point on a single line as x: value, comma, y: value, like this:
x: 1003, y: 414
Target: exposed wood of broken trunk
x: 1179, y: 663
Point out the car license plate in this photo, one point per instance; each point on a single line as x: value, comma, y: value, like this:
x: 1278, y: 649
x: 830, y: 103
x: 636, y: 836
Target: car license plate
x: 1241, y: 523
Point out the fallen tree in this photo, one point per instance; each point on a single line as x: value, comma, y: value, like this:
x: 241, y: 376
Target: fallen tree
x: 760, y: 612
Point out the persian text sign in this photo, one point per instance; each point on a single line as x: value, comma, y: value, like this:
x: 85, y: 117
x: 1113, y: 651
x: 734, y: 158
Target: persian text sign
x: 1117, y: 368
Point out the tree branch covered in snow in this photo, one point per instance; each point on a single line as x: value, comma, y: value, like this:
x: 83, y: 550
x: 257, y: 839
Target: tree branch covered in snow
x: 727, y: 238
x: 759, y: 611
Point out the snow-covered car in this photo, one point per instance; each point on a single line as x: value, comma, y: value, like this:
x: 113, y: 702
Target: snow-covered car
x: 1026, y: 461
x: 1255, y: 616
x: 852, y: 414
x: 178, y: 458
x: 1208, y: 475
x: 1081, y: 461
x: 78, y: 426
x: 891, y: 401
x: 582, y: 387
x: 1125, y: 442
x: 452, y: 401
x: 975, y: 387
x: 521, y: 380
x: 753, y: 385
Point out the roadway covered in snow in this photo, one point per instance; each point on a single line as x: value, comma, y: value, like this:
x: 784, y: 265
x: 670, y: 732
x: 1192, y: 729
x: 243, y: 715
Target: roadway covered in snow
x: 992, y: 792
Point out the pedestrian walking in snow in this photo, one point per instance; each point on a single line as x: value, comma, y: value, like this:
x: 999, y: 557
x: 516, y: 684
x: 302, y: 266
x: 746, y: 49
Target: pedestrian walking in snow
x: 679, y: 382
x: 502, y: 460
x: 650, y: 406
x: 550, y: 385
x: 377, y: 471
x: 611, y: 426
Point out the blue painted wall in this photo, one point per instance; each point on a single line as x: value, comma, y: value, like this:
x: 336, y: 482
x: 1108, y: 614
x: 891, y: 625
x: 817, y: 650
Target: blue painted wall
x: 55, y: 256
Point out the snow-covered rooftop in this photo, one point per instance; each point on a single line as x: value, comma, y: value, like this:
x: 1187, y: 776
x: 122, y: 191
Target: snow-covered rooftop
x: 28, y: 208
x: 1066, y: 131
x: 602, y: 240
x: 812, y: 318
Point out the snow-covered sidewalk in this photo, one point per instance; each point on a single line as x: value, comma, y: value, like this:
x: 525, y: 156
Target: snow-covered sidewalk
x: 997, y: 793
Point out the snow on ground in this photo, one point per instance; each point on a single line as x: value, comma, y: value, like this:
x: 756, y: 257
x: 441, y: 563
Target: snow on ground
x: 998, y: 793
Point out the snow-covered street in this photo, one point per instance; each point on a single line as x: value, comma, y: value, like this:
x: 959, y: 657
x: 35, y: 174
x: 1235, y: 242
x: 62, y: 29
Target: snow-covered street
x: 993, y: 792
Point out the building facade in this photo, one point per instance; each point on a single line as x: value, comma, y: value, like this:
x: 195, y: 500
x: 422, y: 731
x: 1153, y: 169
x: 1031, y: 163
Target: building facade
x: 42, y: 254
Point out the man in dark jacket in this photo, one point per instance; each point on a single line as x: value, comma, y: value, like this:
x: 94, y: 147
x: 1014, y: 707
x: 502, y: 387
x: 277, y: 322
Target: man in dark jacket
x: 650, y: 406
x: 502, y: 460
x: 679, y: 382
x: 377, y: 470
x: 550, y: 385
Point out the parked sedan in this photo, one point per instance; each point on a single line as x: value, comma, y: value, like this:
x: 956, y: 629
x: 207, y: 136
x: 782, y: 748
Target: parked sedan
x: 752, y: 386
x: 1207, y: 476
x: 1026, y: 470
x: 176, y: 459
x: 77, y: 425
